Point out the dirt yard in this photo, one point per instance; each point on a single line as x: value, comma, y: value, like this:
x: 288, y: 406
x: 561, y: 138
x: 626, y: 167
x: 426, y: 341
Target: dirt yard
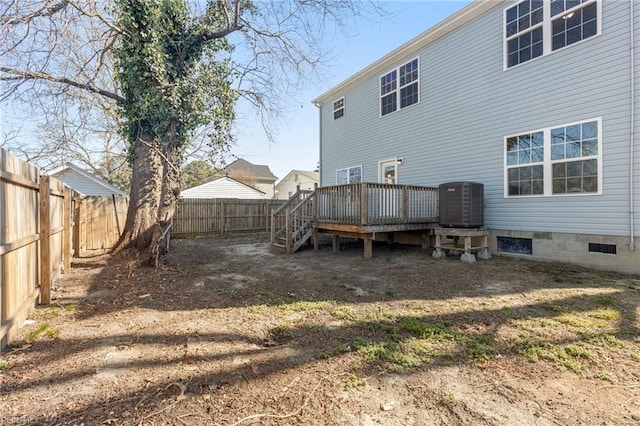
x: 232, y: 333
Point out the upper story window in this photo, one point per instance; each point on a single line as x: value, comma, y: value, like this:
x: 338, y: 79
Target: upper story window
x: 535, y: 27
x: 399, y: 88
x: 338, y: 108
x: 349, y: 175
x: 557, y: 160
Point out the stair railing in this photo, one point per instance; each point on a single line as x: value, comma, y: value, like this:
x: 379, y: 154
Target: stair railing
x: 281, y: 221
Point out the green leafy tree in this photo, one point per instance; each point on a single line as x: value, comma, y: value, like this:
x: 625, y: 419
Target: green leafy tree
x: 196, y: 173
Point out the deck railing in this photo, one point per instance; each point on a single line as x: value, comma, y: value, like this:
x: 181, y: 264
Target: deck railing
x: 376, y: 203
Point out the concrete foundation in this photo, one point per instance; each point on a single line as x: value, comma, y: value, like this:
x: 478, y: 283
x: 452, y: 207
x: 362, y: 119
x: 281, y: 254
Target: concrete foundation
x: 573, y: 248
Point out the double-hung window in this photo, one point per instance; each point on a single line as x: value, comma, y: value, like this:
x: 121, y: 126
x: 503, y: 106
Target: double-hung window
x: 399, y: 88
x: 565, y: 159
x: 349, y: 175
x: 338, y: 108
x: 535, y: 28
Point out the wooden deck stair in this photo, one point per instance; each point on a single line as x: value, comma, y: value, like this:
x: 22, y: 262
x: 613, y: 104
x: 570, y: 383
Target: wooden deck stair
x: 292, y: 223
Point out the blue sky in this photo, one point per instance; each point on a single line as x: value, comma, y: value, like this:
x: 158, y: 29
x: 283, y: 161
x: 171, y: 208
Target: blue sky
x: 296, y: 141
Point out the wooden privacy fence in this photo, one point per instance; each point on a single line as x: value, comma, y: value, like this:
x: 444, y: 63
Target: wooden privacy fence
x: 35, y: 239
x: 218, y: 216
x: 98, y: 222
x: 37, y: 236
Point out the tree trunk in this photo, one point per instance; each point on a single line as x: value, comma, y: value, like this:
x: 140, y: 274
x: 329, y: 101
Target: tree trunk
x: 168, y: 201
x: 146, y: 188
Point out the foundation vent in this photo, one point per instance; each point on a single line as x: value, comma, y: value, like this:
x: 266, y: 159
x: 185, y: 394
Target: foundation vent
x: 515, y: 245
x: 602, y: 248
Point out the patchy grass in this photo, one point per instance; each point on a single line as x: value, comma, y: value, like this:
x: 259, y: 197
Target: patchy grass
x: 42, y: 330
x: 354, y: 381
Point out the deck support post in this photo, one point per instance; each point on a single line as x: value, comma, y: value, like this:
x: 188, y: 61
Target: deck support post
x: 438, y: 253
x: 335, y: 241
x: 425, y: 241
x: 368, y: 247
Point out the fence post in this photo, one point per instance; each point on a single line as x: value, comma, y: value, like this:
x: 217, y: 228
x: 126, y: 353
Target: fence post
x: 45, y: 244
x: 66, y: 234
x: 77, y: 229
x: 222, y: 218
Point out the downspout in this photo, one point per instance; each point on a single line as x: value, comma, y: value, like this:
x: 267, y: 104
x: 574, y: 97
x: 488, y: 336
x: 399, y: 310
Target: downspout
x: 632, y: 153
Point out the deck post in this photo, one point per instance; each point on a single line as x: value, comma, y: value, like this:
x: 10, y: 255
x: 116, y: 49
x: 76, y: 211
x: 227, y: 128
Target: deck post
x: 405, y: 204
x: 314, y: 215
x: 363, y: 204
x: 335, y: 243
x: 368, y: 247
x: 287, y: 224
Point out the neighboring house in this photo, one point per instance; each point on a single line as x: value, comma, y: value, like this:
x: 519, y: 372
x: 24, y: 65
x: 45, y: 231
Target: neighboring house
x: 288, y: 185
x: 224, y: 187
x: 84, y: 182
x: 535, y: 99
x: 258, y: 176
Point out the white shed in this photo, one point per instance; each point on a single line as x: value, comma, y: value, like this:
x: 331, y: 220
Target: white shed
x: 84, y: 182
x: 225, y: 187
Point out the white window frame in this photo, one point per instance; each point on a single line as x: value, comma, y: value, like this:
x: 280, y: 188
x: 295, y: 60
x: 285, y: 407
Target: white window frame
x: 344, y: 110
x: 546, y: 24
x: 548, y: 162
x: 348, y: 170
x: 398, y: 88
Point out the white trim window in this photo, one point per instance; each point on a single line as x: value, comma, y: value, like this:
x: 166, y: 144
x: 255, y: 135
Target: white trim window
x: 559, y: 160
x: 400, y: 87
x: 534, y: 28
x: 338, y: 108
x: 349, y: 175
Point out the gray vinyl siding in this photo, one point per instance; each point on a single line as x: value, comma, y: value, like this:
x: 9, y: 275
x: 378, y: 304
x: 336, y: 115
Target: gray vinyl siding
x: 468, y: 104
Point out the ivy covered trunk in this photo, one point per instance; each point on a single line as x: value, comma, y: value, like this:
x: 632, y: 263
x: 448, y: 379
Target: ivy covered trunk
x: 146, y: 188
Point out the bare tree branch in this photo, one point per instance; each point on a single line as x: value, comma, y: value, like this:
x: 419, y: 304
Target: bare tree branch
x: 34, y: 75
x: 48, y: 10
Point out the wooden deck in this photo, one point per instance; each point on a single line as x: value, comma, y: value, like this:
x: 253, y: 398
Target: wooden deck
x: 368, y: 211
